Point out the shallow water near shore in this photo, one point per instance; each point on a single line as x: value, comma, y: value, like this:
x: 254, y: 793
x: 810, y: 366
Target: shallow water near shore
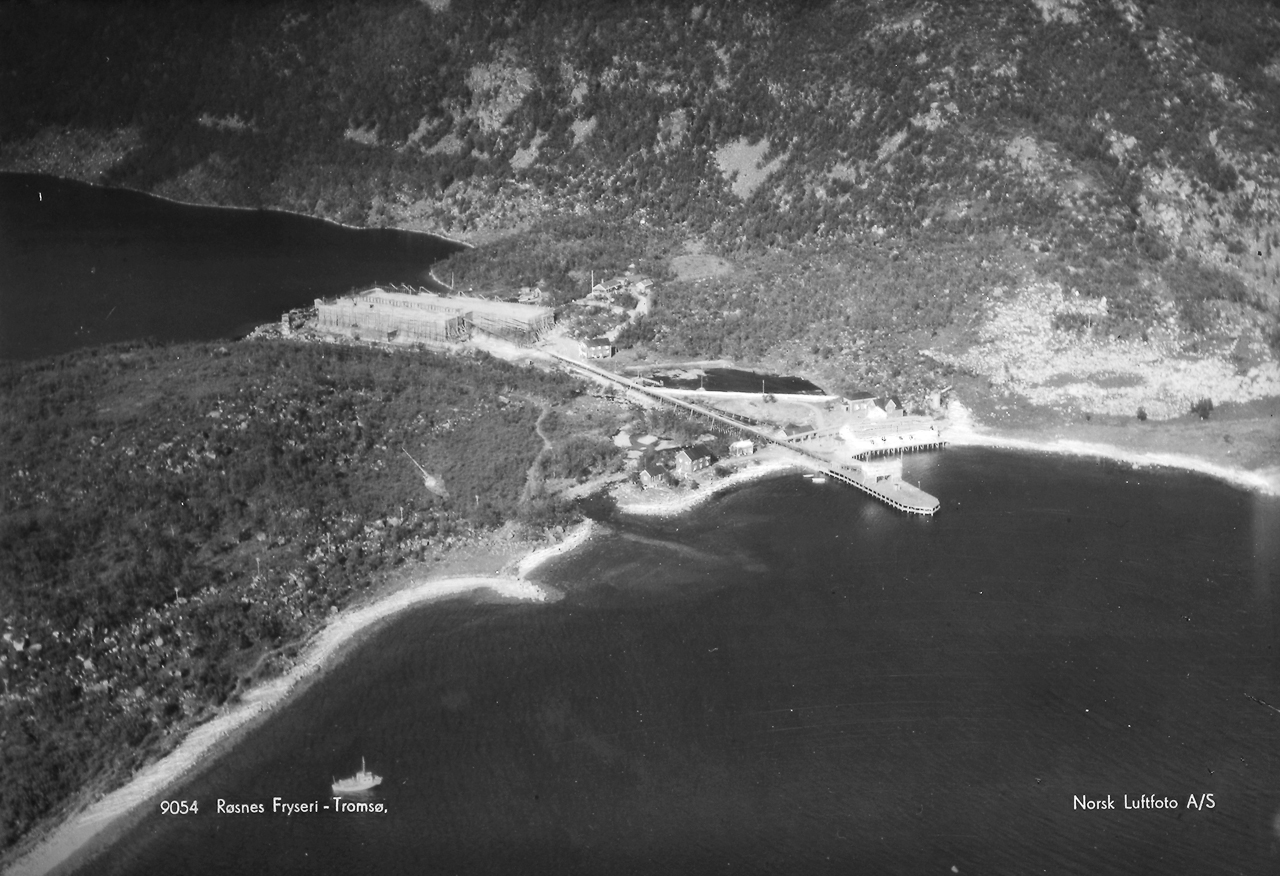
x: 794, y: 678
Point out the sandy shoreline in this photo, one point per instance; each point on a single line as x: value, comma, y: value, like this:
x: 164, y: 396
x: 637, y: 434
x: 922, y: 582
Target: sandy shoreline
x: 75, y: 841
x: 575, y: 538
x: 669, y: 503
x: 960, y: 430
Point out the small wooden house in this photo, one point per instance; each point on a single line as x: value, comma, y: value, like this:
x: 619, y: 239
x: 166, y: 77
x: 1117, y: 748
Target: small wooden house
x: 858, y: 403
x: 596, y: 348
x: 890, y: 407
x: 654, y: 475
x: 693, y: 458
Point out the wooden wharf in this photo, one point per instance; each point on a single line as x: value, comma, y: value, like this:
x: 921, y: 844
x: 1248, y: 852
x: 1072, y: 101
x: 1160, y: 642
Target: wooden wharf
x: 900, y: 494
x: 895, y: 493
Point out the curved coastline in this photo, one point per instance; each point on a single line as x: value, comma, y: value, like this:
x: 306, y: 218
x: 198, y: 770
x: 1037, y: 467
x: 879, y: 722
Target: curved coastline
x: 98, y: 185
x: 668, y: 503
x: 576, y: 538
x: 960, y: 430
x: 76, y: 840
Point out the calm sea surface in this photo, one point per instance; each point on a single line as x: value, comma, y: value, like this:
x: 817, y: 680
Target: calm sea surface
x: 82, y: 265
x: 796, y: 679
x: 792, y: 679
x: 737, y: 380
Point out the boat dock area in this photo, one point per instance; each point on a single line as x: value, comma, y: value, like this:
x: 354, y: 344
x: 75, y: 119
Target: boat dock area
x: 876, y: 437
x: 891, y: 490
x: 891, y: 436
x: 895, y: 492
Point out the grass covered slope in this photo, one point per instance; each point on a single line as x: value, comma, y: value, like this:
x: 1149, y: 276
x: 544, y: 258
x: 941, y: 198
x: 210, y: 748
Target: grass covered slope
x: 174, y: 519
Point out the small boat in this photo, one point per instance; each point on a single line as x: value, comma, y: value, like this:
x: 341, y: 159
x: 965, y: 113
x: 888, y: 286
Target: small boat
x: 361, y: 781
x: 819, y: 479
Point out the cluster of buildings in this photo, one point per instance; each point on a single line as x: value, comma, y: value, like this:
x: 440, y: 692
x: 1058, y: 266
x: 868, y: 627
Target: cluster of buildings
x: 872, y: 407
x: 402, y: 314
x: 681, y: 465
x: 864, y: 427
x: 607, y: 295
x: 661, y: 462
x: 605, y: 292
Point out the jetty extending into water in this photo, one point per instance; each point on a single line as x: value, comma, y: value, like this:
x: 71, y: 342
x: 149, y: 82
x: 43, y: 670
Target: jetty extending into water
x: 895, y: 492
x: 867, y: 477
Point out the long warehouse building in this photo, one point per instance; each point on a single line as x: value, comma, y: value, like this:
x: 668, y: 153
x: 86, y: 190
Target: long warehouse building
x: 405, y: 315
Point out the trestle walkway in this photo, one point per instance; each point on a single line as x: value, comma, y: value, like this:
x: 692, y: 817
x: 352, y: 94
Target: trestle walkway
x: 900, y: 495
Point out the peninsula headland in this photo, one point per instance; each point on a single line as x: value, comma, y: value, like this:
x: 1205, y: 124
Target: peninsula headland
x: 1049, y: 226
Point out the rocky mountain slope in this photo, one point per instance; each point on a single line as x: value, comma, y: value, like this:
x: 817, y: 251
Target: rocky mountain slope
x: 1059, y: 200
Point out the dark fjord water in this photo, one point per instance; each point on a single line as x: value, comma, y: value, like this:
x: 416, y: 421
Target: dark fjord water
x: 737, y: 380
x: 81, y: 265
x: 796, y: 679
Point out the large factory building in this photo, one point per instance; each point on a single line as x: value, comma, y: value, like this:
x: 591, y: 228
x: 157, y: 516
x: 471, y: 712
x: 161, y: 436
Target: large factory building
x: 406, y: 315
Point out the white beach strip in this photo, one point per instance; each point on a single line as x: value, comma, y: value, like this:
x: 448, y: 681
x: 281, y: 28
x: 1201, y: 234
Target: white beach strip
x: 577, y: 537
x: 685, y: 500
x: 961, y: 432
x: 151, y: 781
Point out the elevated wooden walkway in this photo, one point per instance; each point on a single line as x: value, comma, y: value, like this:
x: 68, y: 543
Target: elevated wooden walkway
x: 894, y: 492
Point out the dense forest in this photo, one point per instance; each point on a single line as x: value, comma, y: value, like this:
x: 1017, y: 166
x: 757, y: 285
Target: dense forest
x: 878, y: 118
x: 173, y: 519
x: 1125, y: 150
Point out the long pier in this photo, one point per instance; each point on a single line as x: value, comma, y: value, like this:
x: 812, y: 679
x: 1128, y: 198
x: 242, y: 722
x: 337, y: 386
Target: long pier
x: 898, y: 494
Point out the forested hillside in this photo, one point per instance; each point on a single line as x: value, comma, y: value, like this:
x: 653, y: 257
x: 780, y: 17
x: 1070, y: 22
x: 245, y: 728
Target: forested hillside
x: 174, y: 519
x: 1124, y: 150
x: 879, y: 114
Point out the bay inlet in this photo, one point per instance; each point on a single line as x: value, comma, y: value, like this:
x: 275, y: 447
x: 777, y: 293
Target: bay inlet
x: 82, y: 265
x: 789, y: 678
x: 797, y: 677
